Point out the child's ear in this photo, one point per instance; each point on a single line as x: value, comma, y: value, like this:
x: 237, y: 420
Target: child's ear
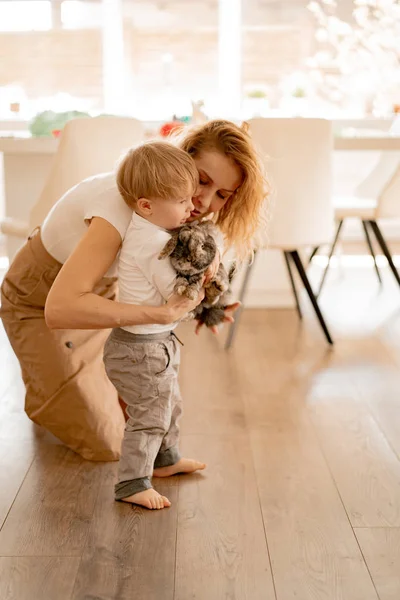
x: 169, y: 246
x: 145, y: 206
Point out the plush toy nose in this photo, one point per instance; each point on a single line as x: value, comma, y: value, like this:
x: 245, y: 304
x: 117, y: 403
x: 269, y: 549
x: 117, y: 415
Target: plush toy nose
x: 202, y: 252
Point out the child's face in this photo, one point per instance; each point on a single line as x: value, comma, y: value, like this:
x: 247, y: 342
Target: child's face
x: 170, y: 213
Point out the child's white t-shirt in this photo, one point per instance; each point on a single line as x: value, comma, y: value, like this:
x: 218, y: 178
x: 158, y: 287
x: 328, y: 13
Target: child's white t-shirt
x: 143, y: 279
x: 67, y: 222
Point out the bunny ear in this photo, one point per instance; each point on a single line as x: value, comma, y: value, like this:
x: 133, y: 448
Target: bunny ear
x: 209, y: 226
x: 169, y: 246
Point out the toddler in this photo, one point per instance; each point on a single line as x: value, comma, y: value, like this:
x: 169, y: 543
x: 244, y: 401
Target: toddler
x: 157, y: 180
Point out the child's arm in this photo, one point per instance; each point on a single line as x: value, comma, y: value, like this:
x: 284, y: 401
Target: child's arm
x: 162, y: 275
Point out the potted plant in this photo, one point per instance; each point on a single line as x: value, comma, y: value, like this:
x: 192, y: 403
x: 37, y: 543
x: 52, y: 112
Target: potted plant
x: 255, y: 103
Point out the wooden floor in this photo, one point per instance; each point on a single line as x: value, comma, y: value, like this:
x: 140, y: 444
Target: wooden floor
x: 301, y: 498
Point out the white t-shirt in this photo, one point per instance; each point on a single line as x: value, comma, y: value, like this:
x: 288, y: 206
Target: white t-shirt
x: 67, y: 222
x: 142, y: 278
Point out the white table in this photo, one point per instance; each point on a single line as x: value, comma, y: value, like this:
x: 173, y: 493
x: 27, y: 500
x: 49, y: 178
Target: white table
x: 378, y: 143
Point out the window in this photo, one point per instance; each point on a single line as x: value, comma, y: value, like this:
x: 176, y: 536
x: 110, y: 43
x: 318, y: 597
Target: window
x: 25, y: 15
x: 76, y: 14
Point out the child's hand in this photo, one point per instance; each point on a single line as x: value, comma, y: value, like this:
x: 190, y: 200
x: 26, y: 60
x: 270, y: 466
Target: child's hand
x: 212, y: 269
x: 231, y: 308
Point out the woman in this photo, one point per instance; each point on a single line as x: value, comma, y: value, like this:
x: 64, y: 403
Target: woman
x: 58, y: 297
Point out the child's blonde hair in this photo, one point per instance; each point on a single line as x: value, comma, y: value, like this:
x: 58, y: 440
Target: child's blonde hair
x: 156, y: 170
x: 241, y: 218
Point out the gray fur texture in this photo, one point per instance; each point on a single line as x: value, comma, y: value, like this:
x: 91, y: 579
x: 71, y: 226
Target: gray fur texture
x: 214, y: 315
x: 192, y: 249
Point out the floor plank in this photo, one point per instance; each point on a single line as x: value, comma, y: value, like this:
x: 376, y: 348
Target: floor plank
x: 20, y: 440
x: 52, y: 512
x: 379, y: 389
x: 130, y: 552
x: 314, y: 552
x: 221, y: 546
x: 211, y: 404
x: 381, y: 549
x: 31, y: 578
x: 15, y: 460
x: 363, y: 464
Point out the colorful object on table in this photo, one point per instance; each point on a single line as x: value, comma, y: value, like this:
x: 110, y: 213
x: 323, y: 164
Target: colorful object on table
x: 167, y: 128
x: 44, y: 123
x: 15, y: 107
x: 56, y: 133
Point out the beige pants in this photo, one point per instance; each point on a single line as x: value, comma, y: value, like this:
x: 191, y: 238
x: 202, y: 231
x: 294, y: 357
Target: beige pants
x: 67, y: 389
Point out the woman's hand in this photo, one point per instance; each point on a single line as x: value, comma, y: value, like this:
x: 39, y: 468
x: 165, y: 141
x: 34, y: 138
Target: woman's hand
x: 230, y: 309
x: 178, y: 306
x: 213, y: 268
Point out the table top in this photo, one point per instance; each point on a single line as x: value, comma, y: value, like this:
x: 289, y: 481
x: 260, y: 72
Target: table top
x: 377, y: 143
x: 345, y: 140
x: 363, y: 138
x: 28, y: 145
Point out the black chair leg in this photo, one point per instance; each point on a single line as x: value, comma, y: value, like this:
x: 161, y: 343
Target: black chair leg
x: 335, y: 241
x: 371, y: 249
x: 303, y: 275
x: 313, y: 253
x: 381, y: 241
x: 242, y: 293
x: 287, y: 259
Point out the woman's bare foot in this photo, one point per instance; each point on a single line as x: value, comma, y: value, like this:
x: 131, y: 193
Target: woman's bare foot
x: 184, y: 465
x: 149, y: 499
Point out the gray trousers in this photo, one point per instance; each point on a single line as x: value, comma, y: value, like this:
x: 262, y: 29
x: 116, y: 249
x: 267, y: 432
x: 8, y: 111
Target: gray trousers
x: 144, y: 370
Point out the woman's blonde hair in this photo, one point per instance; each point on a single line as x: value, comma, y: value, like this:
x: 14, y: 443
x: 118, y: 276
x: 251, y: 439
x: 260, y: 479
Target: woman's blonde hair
x: 156, y: 170
x: 241, y: 218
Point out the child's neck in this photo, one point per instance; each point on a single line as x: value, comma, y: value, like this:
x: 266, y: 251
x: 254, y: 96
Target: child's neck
x: 150, y: 219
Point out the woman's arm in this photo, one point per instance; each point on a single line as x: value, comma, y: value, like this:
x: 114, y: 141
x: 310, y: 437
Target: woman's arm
x: 71, y: 303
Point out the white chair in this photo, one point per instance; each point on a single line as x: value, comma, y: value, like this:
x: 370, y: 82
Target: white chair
x: 87, y: 147
x: 297, y: 154
x: 376, y: 197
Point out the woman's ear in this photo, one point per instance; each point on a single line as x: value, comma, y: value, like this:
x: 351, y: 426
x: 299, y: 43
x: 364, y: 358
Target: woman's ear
x: 245, y: 126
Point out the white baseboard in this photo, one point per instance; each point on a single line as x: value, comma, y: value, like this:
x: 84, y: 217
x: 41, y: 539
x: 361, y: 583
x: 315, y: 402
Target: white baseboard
x: 269, y: 299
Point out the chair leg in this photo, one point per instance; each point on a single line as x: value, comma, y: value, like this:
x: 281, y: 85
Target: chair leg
x: 381, y: 241
x: 371, y: 249
x: 287, y: 259
x: 313, y: 253
x: 299, y: 265
x: 242, y: 293
x: 332, y: 250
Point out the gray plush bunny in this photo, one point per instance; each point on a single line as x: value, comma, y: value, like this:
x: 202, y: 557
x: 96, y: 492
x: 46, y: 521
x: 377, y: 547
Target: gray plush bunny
x: 192, y: 248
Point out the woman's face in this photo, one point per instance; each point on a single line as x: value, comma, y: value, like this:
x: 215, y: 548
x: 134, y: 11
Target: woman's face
x: 219, y: 179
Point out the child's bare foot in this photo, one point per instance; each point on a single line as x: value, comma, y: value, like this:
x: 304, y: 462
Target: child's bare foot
x: 184, y: 465
x: 149, y: 499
